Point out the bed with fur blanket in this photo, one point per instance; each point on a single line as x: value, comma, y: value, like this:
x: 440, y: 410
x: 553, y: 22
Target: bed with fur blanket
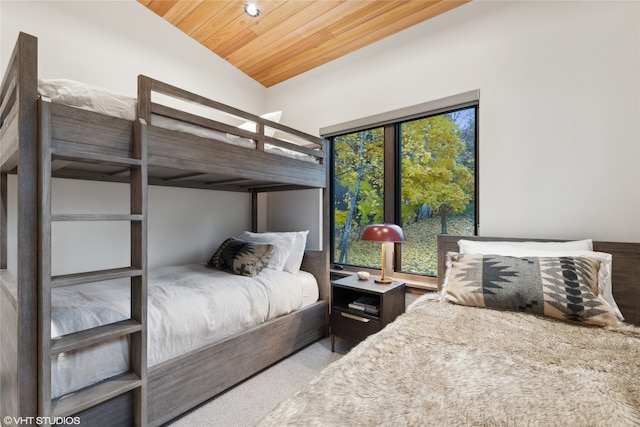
x: 443, y: 364
x: 521, y: 333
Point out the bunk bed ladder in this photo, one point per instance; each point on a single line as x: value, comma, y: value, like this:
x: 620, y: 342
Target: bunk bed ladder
x: 135, y: 327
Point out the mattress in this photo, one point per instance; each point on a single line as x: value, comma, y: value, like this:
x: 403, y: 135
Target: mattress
x: 188, y: 306
x: 99, y: 100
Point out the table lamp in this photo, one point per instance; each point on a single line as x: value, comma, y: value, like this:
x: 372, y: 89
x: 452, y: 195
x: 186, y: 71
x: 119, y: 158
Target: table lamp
x: 383, y: 233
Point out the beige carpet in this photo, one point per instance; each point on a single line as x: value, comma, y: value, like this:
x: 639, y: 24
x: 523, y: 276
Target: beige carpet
x: 248, y: 402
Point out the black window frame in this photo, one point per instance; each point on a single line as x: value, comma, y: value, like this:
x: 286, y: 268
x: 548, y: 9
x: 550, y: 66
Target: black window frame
x: 393, y: 182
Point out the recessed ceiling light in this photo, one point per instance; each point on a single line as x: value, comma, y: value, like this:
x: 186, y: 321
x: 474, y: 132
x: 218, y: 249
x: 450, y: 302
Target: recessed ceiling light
x: 251, y: 9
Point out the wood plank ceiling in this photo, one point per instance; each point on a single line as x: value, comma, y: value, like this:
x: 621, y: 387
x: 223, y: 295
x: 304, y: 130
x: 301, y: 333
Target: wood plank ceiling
x: 290, y: 37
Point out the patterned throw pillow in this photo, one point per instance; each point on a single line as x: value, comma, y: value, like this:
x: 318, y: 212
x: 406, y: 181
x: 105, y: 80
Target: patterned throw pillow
x: 240, y: 257
x: 565, y: 288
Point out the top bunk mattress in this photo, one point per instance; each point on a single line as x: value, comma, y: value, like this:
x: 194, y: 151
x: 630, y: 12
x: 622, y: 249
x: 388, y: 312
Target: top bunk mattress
x: 92, y: 98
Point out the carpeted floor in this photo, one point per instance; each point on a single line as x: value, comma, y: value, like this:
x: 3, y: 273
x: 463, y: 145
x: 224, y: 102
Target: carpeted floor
x: 248, y: 402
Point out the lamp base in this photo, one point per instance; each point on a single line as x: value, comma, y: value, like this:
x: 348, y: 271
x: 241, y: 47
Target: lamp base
x: 382, y: 281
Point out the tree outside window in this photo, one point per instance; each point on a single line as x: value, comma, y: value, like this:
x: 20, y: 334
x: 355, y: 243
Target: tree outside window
x: 358, y: 193
x: 435, y: 172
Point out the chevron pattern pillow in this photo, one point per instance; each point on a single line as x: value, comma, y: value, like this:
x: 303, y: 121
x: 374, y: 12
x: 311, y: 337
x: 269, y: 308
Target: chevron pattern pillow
x: 564, y: 288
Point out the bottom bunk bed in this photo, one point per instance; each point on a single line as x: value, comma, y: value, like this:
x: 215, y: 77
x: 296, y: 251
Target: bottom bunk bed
x: 444, y: 363
x: 208, y: 330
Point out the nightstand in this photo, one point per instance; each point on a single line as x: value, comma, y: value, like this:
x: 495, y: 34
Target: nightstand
x: 360, y: 308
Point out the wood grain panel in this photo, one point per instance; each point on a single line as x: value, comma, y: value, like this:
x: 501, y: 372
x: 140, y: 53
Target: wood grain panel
x: 284, y: 35
x: 356, y: 38
x: 161, y: 7
x: 317, y: 263
x: 625, y: 277
x: 218, y: 157
x: 27, y: 227
x: 224, y: 17
x: 9, y: 146
x: 245, y: 29
x: 115, y: 412
x: 104, y: 134
x: 9, y: 359
x: 309, y: 38
x: 200, y: 15
x: 177, y: 386
x: 179, y: 11
x: 4, y: 226
x: 304, y: 34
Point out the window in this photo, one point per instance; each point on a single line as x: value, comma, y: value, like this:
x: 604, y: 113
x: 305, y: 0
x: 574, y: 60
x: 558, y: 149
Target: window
x: 357, y: 194
x: 418, y: 171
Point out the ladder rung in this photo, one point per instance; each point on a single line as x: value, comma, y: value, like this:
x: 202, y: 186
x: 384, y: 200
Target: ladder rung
x: 94, y: 158
x: 94, y: 395
x: 96, y: 217
x: 92, y: 336
x: 94, y: 276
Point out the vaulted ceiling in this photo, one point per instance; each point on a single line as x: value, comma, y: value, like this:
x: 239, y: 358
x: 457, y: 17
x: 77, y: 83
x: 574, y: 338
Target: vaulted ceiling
x: 290, y: 37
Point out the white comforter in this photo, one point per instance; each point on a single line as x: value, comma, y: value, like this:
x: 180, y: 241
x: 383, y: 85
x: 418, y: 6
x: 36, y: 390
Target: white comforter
x: 188, y: 306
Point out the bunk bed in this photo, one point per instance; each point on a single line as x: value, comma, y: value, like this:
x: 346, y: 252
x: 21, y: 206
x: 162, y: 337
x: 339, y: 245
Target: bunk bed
x: 449, y: 361
x: 41, y: 140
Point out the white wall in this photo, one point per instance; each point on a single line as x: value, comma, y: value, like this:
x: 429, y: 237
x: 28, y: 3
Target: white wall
x: 108, y: 43
x: 559, y: 130
x: 297, y: 210
x: 184, y: 225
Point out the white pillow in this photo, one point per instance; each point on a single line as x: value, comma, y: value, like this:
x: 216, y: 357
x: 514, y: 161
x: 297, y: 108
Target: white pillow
x: 582, y: 248
x: 297, y: 252
x: 282, y: 242
x: 294, y: 250
x: 252, y: 127
x: 519, y: 249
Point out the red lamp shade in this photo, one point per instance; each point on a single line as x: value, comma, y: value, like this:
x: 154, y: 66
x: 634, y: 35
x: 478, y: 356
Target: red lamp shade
x: 383, y: 233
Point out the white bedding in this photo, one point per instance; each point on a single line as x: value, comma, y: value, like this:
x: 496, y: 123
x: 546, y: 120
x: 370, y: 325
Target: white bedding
x: 188, y: 306
x: 92, y: 98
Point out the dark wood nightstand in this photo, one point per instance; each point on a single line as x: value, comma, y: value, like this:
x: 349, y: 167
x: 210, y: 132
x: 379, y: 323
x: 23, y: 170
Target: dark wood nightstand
x: 360, y: 308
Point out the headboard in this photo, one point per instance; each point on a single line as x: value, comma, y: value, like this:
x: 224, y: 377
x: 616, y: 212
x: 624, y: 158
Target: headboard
x: 625, y: 265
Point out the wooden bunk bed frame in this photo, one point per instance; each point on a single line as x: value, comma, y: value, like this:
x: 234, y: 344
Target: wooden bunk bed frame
x: 40, y: 140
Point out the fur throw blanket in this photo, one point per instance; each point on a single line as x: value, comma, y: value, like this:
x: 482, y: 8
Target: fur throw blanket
x: 442, y: 364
